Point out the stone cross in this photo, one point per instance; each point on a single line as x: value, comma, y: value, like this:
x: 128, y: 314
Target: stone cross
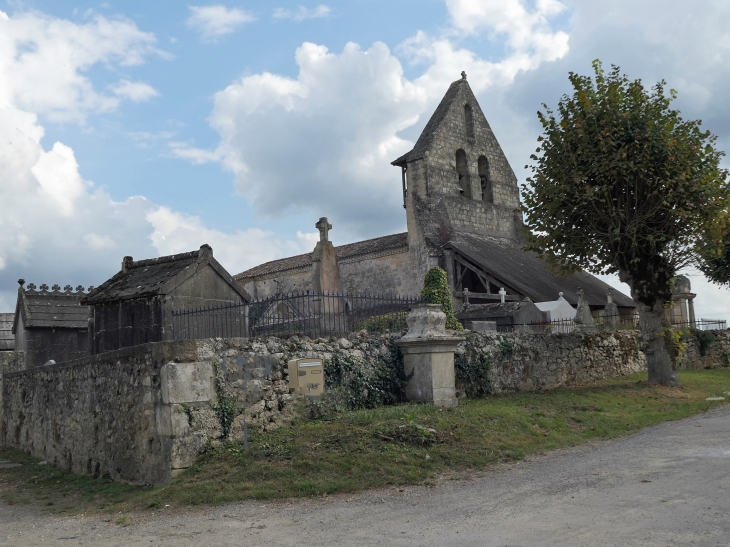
x: 502, y: 294
x: 466, y: 296
x: 463, y: 75
x: 324, y: 227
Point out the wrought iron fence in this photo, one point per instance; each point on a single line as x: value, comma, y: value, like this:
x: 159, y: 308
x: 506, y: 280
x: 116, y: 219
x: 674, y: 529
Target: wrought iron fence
x: 703, y: 324
x: 303, y: 313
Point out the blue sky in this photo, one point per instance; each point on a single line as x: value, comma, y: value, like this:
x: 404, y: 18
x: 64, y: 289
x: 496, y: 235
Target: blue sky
x: 148, y: 128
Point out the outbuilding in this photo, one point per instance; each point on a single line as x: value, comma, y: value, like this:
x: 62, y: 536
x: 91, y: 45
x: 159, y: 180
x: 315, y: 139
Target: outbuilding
x: 135, y: 306
x: 50, y: 324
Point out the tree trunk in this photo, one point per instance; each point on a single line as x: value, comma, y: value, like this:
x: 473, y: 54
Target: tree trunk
x: 658, y: 344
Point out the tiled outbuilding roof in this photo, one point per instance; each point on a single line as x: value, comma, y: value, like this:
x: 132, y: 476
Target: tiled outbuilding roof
x: 493, y: 309
x: 155, y: 276
x: 376, y: 245
x: 55, y: 308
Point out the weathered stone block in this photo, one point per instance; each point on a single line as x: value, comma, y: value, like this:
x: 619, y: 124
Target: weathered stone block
x: 187, y: 382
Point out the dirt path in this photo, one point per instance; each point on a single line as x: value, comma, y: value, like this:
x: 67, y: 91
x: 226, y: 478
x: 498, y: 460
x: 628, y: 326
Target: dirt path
x: 667, y: 485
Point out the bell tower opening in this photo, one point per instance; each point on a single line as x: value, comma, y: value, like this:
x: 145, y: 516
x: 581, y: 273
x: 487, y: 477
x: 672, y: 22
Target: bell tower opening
x: 469, y: 121
x: 486, y: 183
x: 462, y: 168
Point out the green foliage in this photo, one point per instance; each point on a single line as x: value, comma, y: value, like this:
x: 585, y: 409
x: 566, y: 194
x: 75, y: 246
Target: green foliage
x: 436, y: 291
x: 716, y: 264
x: 380, y: 323
x: 353, y: 385
x: 473, y: 375
x: 188, y: 412
x: 704, y: 340
x: 622, y: 184
x: 504, y: 348
x: 224, y: 408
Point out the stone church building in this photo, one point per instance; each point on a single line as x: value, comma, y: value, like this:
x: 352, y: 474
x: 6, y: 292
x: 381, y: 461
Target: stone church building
x: 462, y: 210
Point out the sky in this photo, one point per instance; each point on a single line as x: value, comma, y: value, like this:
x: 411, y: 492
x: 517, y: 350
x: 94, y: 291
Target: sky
x: 149, y: 128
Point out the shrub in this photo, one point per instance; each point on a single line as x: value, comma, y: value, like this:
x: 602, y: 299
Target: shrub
x: 473, y: 376
x: 436, y: 291
x: 354, y: 385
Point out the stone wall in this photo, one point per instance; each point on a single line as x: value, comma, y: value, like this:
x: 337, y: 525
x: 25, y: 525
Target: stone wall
x: 531, y: 362
x: 10, y: 361
x: 141, y: 414
x: 716, y: 353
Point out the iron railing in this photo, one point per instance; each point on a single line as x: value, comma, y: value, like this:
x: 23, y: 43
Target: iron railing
x: 703, y: 324
x: 304, y: 313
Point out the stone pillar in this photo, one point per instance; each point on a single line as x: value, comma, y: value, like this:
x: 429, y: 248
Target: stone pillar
x: 610, y: 312
x: 325, y: 269
x: 428, y: 352
x: 691, y: 305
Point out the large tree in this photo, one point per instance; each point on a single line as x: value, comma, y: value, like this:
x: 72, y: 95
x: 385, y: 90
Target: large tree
x: 622, y: 184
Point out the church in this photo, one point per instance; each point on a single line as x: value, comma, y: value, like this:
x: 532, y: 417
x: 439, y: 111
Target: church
x: 461, y: 200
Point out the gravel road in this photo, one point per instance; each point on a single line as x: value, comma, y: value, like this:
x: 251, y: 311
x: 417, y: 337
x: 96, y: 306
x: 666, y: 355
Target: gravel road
x: 666, y: 485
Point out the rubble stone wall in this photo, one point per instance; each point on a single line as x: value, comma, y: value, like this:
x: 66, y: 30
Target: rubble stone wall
x: 141, y: 414
x: 715, y: 354
x: 531, y: 362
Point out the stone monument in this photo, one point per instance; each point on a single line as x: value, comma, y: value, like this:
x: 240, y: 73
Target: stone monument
x: 428, y: 352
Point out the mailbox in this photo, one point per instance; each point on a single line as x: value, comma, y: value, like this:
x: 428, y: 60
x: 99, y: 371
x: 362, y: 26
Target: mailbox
x: 306, y: 377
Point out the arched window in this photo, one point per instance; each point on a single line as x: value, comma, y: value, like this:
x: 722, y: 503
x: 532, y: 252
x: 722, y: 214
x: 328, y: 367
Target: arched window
x: 469, y: 121
x: 462, y: 167
x: 483, y: 165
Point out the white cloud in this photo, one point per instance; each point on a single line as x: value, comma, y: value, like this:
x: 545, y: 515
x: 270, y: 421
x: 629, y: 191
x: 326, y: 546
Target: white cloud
x: 321, y: 142
x: 97, y: 242
x: 43, y: 61
x: 56, y: 227
x: 212, y: 22
x: 134, y: 91
x: 527, y: 35
x: 175, y: 232
x: 302, y: 13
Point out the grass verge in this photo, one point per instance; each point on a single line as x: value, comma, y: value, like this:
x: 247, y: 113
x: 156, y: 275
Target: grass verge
x: 396, y: 445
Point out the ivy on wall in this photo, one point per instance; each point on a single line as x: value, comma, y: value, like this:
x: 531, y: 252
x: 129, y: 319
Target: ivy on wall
x: 436, y: 291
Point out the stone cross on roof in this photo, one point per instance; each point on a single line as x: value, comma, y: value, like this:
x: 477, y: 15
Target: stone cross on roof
x: 324, y: 227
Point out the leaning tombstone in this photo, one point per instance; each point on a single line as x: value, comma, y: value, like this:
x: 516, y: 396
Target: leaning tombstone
x: 428, y: 353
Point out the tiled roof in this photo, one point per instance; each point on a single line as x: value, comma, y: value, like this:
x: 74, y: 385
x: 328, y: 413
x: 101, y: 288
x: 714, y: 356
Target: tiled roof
x: 142, y: 278
x: 493, y: 309
x: 378, y: 244
x: 52, y: 308
x: 146, y: 278
x: 7, y: 338
x: 526, y: 273
x: 429, y: 132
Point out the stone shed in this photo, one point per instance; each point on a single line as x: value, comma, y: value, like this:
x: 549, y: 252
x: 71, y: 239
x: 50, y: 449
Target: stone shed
x: 50, y: 324
x: 135, y: 306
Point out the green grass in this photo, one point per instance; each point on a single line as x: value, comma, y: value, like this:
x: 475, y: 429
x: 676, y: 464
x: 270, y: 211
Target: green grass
x: 382, y: 447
